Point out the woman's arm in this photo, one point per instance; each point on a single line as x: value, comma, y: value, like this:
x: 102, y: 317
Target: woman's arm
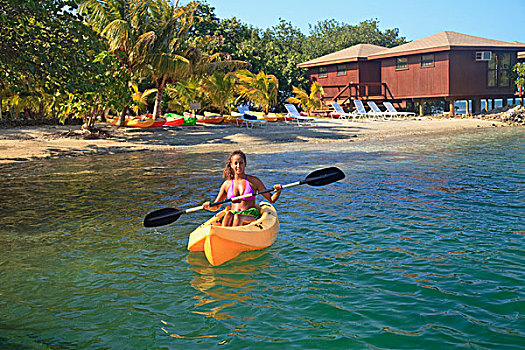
x: 272, y: 198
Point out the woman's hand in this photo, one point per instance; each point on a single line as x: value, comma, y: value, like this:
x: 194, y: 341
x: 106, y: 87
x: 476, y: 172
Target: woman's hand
x: 277, y: 192
x: 206, y: 205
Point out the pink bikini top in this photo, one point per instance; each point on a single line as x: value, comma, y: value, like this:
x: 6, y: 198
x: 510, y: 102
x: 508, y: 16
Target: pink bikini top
x: 247, y: 190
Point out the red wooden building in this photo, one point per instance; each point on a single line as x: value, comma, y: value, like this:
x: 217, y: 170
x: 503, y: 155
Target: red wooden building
x: 446, y: 66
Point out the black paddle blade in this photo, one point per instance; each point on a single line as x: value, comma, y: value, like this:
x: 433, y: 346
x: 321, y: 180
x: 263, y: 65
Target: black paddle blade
x: 323, y: 177
x: 162, y: 217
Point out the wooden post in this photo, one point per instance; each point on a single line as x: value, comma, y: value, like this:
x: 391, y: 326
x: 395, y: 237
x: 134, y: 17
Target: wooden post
x: 476, y: 105
x: 452, y: 108
x: 467, y: 106
x: 421, y: 107
x: 504, y: 102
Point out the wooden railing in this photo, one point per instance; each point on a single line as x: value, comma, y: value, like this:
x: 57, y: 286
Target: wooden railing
x: 359, y: 91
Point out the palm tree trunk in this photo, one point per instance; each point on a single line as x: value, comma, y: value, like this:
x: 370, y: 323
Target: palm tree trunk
x: 122, y: 117
x: 158, y: 99
x: 93, y: 118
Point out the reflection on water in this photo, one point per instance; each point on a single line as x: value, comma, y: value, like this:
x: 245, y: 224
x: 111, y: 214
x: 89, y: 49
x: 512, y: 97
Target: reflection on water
x: 418, y: 247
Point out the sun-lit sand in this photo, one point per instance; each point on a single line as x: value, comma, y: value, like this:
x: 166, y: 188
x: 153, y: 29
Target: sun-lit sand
x: 28, y: 143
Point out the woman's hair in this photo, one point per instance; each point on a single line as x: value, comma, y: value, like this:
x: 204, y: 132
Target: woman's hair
x: 228, y: 171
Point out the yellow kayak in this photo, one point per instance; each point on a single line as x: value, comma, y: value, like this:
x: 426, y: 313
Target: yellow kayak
x: 221, y: 244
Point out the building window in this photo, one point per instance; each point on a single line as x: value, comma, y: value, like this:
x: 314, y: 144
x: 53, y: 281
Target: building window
x: 427, y: 60
x: 322, y: 72
x: 483, y: 55
x: 499, y: 70
x: 401, y: 63
x: 505, y: 71
x: 341, y: 69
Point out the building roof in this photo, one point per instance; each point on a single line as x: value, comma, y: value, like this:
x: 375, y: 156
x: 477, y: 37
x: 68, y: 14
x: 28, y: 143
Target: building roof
x: 350, y: 54
x: 445, y: 41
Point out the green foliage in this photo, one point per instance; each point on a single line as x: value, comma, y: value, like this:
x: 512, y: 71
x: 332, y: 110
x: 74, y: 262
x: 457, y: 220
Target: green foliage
x: 140, y: 99
x: 221, y: 90
x: 519, y: 69
x: 329, y: 36
x: 261, y: 89
x: 105, y: 87
x: 308, y: 101
x: 46, y: 54
x: 185, y: 92
x: 43, y: 43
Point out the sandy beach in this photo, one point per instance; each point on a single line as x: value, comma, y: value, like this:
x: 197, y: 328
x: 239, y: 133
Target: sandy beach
x: 41, y: 142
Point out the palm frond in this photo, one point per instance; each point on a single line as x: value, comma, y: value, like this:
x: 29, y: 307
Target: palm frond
x: 117, y: 33
x: 94, y: 14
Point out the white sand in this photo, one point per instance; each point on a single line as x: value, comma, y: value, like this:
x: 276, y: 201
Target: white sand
x: 27, y: 143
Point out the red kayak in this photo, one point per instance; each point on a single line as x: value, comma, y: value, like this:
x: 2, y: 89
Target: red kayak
x: 174, y: 121
x: 158, y: 122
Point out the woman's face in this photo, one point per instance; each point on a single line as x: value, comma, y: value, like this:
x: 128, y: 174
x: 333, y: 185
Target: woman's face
x: 238, y: 164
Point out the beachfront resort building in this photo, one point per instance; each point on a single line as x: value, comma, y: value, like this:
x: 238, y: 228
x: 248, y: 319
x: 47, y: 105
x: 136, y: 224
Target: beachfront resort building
x: 447, y: 66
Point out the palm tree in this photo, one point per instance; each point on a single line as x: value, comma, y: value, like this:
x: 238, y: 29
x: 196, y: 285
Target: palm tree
x: 220, y: 89
x: 260, y: 88
x: 185, y: 92
x: 140, y: 104
x: 201, y: 66
x: 308, y: 101
x: 164, y: 47
x: 121, y: 23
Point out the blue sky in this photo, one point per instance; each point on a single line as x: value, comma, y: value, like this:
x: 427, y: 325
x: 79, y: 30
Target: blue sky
x: 499, y: 20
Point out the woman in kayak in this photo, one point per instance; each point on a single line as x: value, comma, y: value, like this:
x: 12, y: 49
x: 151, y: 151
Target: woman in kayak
x: 238, y: 183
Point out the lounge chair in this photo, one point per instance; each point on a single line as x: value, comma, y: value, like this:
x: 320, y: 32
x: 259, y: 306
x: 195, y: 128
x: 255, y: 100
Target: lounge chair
x: 362, y: 111
x: 297, y: 117
x: 376, y: 110
x: 248, y: 119
x: 339, y: 110
x: 390, y: 107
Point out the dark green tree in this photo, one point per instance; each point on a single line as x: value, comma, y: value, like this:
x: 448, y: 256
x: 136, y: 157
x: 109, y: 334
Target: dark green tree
x: 45, y: 48
x: 330, y: 35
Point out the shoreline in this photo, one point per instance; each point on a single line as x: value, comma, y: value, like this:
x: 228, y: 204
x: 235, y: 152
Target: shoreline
x: 21, y: 144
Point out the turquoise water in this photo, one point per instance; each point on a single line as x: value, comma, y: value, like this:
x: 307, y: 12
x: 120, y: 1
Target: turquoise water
x: 421, y: 246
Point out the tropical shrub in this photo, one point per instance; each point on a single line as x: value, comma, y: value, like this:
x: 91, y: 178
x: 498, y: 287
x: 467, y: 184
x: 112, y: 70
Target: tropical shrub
x: 261, y: 89
x: 308, y: 101
x: 221, y: 90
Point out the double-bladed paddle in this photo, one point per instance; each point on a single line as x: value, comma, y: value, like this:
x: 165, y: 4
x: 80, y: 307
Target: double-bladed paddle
x: 319, y: 177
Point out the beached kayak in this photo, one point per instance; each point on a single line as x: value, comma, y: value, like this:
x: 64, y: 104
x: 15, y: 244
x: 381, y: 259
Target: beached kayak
x: 140, y: 122
x: 210, y: 118
x: 134, y: 122
x: 221, y: 244
x: 158, y: 122
x: 173, y: 119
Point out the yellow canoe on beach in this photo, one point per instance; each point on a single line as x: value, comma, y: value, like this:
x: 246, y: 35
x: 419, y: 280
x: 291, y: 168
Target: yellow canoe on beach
x: 221, y: 244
